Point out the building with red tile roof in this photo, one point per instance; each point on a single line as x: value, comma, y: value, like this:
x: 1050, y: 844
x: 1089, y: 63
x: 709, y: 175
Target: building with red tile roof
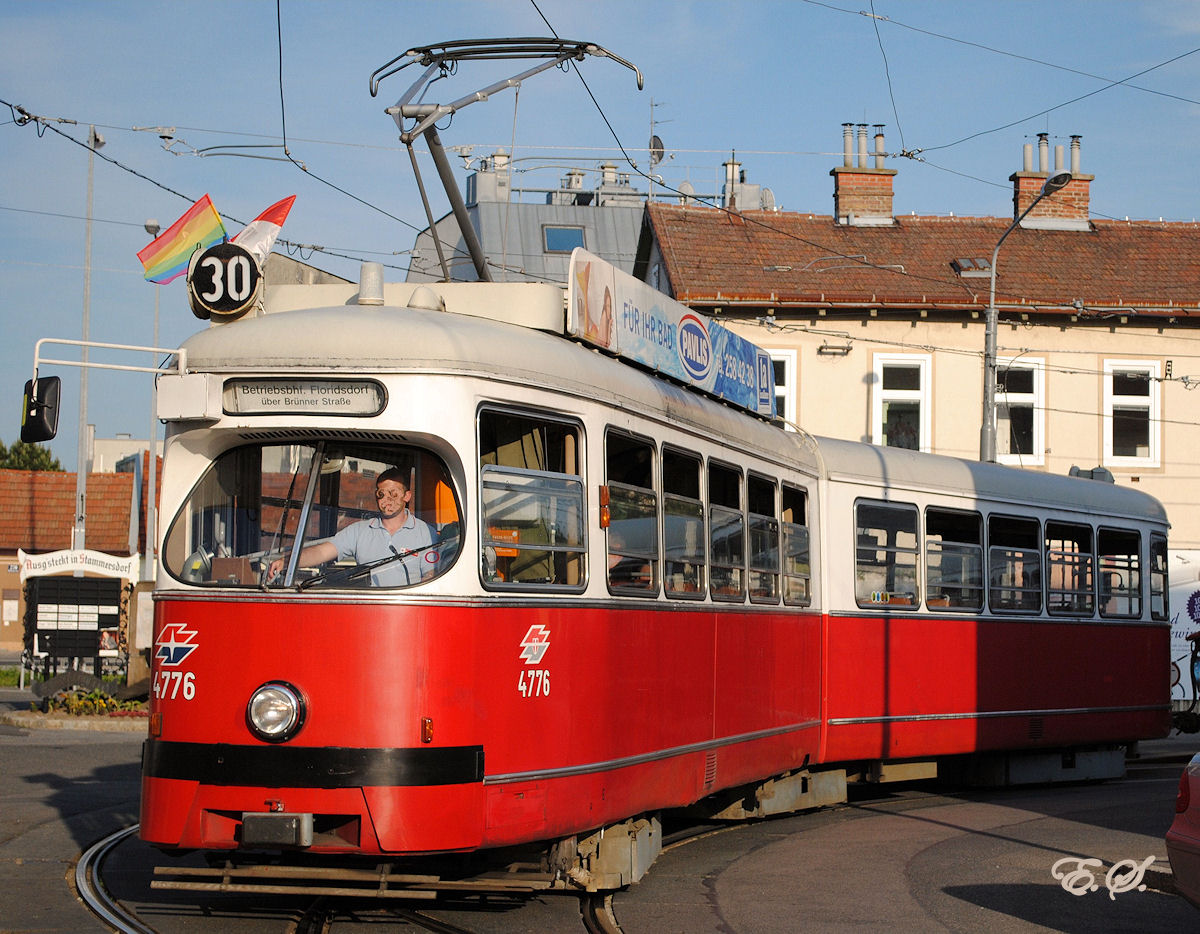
x: 876, y: 322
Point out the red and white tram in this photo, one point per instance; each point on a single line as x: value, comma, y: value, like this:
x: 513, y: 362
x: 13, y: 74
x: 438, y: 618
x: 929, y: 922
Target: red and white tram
x: 635, y: 596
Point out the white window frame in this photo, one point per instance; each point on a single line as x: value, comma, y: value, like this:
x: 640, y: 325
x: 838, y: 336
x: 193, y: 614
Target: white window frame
x: 787, y: 392
x: 922, y: 396
x: 1152, y: 402
x: 1037, y: 399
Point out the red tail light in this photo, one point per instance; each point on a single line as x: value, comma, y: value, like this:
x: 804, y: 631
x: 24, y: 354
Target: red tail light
x: 1184, y: 799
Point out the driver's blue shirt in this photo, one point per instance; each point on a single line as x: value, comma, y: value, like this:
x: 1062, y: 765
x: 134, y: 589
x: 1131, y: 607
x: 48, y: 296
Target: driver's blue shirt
x: 368, y: 541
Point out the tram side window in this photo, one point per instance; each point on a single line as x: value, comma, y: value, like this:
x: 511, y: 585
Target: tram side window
x: 1014, y: 564
x: 683, y: 525
x: 1159, y: 609
x: 1119, y: 556
x: 727, y: 532
x: 763, y: 578
x: 531, y: 497
x: 885, y: 564
x: 1070, y: 565
x: 954, y: 559
x: 633, y: 515
x: 797, y: 566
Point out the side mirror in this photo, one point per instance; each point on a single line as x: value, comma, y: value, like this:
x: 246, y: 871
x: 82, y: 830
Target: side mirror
x: 39, y: 409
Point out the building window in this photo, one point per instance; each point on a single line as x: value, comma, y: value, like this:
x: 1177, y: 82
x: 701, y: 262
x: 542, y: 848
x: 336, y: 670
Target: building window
x: 900, y: 407
x: 561, y: 239
x: 1020, y: 412
x: 784, y: 362
x: 1131, y: 413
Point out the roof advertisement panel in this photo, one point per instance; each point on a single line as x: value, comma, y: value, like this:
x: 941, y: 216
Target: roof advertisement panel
x: 612, y: 310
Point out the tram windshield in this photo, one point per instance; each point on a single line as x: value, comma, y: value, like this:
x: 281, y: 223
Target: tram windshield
x: 330, y: 514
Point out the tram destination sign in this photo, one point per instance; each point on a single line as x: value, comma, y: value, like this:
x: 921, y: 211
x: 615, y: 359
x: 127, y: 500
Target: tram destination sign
x: 611, y: 309
x: 356, y: 397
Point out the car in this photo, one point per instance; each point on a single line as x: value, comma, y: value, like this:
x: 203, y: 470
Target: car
x: 1183, y: 837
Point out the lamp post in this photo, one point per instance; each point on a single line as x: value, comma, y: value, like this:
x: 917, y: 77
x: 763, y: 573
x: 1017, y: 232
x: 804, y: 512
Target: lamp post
x: 987, y: 432
x: 152, y: 228
x: 95, y: 141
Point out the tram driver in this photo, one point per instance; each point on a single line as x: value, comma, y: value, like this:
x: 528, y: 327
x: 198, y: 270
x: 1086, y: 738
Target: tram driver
x: 395, y: 532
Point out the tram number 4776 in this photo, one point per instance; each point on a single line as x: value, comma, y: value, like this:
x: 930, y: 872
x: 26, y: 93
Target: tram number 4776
x: 534, y: 683
x: 174, y: 684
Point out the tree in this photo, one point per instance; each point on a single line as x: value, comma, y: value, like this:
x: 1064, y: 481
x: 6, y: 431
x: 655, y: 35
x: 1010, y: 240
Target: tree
x: 22, y: 456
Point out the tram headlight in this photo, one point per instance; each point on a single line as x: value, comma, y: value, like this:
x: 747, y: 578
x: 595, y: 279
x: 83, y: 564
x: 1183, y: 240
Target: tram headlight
x: 275, y: 712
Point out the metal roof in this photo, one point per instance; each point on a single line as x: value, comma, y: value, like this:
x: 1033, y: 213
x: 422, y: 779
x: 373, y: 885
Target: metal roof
x: 512, y: 236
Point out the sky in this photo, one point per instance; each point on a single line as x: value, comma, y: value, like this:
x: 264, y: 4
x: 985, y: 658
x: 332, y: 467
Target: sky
x: 200, y: 97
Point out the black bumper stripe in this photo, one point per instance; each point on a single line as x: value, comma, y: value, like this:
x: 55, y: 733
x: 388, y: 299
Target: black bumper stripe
x: 308, y: 767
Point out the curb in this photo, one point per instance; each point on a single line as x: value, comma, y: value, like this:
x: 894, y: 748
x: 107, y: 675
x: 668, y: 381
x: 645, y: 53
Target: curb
x: 31, y: 720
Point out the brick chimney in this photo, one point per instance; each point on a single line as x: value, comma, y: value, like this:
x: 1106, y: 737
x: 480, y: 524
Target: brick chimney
x: 862, y: 194
x: 1067, y: 208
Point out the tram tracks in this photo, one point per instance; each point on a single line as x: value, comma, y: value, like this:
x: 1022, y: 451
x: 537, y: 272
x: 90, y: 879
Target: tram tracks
x: 91, y: 888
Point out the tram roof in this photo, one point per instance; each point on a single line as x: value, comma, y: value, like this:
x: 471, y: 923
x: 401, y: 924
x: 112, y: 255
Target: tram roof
x: 478, y: 341
x: 902, y: 469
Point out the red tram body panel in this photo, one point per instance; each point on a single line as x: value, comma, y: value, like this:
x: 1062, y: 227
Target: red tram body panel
x: 500, y: 765
x: 906, y: 687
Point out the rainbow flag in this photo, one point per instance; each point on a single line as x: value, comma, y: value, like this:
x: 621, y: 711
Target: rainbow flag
x: 167, y: 257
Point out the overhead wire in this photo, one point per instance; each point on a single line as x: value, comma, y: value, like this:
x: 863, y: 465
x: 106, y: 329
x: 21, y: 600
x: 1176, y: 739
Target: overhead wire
x: 1003, y: 52
x: 887, y: 74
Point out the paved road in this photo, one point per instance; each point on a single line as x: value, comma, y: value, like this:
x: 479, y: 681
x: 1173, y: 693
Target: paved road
x: 60, y: 791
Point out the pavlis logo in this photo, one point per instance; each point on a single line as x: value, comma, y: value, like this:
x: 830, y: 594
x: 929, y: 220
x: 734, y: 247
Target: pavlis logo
x: 695, y: 348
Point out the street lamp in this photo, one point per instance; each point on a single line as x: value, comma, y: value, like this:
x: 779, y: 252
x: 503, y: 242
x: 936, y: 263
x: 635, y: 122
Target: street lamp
x: 152, y: 228
x: 987, y: 432
x: 78, y: 533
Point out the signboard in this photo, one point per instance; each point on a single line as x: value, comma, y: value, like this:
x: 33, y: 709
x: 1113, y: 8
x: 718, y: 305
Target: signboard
x: 1185, y: 619
x: 358, y: 397
x: 613, y: 310
x: 76, y: 617
x: 224, y: 281
x: 73, y: 559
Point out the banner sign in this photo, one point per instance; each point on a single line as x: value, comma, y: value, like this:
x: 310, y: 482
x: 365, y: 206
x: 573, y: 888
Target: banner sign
x: 71, y: 560
x: 611, y: 309
x: 303, y: 397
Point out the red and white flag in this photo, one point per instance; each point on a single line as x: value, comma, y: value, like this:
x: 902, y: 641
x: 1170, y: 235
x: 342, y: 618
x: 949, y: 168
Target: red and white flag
x: 259, y: 235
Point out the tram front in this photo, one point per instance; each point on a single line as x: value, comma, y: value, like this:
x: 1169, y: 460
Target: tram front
x: 308, y: 610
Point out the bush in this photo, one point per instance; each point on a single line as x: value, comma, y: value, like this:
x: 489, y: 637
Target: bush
x: 90, y: 704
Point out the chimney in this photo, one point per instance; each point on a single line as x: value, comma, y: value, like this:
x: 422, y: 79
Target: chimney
x: 1067, y: 208
x: 739, y: 194
x: 862, y: 192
